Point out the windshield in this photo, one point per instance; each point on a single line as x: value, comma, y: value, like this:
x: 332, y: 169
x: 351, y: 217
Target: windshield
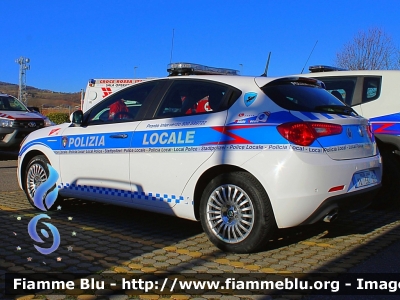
x: 292, y: 96
x: 11, y: 104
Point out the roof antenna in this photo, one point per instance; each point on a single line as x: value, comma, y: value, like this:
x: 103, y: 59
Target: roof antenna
x: 309, y: 57
x: 266, y: 66
x: 172, y: 47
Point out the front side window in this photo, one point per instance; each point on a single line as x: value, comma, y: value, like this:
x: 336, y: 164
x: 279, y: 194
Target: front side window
x: 190, y: 97
x: 123, y: 106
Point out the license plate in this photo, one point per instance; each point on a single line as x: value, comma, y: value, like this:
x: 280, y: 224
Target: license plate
x: 364, y: 178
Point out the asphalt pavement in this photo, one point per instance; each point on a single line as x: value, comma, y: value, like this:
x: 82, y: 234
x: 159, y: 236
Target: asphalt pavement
x: 8, y: 180
x: 123, y: 240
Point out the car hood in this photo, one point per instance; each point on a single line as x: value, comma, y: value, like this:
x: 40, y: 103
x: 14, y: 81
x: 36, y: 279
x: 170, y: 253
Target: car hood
x: 19, y: 115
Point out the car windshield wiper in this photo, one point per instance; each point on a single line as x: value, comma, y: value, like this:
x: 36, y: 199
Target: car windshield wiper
x: 339, y: 109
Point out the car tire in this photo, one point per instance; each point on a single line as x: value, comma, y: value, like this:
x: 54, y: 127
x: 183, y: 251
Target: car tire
x: 36, y: 173
x: 236, y: 213
x: 390, y: 190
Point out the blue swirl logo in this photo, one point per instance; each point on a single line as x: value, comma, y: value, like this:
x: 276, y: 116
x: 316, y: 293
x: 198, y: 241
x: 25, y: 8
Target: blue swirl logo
x: 33, y: 234
x: 43, y: 200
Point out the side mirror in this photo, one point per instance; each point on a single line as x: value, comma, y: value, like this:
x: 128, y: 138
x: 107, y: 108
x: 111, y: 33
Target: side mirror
x: 34, y: 109
x: 76, y: 118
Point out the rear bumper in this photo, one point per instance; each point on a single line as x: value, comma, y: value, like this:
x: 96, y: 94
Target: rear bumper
x: 299, y: 183
x: 349, y: 202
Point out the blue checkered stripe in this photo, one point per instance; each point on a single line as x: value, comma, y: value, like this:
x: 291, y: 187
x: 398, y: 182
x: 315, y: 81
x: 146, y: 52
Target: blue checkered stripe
x: 122, y: 193
x: 158, y: 197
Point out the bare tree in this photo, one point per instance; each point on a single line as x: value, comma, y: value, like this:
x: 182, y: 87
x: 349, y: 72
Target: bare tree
x: 397, y: 63
x: 371, y: 50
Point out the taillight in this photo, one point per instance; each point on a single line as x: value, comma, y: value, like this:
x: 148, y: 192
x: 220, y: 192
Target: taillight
x: 336, y: 188
x: 305, y: 133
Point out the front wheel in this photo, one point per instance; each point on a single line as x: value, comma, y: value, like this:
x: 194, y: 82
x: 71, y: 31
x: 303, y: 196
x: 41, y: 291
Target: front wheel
x: 36, y: 174
x: 236, y: 213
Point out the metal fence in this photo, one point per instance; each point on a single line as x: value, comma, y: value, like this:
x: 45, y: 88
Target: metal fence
x: 48, y: 110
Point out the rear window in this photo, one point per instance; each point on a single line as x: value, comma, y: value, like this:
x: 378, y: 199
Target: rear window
x: 291, y: 96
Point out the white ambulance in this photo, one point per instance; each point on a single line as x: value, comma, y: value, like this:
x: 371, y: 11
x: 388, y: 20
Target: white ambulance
x: 98, y: 89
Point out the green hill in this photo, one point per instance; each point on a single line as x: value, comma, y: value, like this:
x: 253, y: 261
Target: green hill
x: 44, y: 98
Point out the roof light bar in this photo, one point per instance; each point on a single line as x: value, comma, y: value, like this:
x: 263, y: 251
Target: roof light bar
x: 320, y: 68
x: 177, y: 69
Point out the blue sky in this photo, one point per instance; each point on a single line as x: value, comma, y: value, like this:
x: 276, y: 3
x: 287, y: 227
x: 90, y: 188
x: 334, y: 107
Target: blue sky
x: 69, y: 42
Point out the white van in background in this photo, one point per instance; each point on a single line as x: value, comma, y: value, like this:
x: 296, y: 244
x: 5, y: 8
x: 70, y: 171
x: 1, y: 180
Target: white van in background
x: 98, y: 89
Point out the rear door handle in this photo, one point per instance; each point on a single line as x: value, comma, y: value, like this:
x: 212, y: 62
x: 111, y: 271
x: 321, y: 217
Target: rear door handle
x: 119, y: 136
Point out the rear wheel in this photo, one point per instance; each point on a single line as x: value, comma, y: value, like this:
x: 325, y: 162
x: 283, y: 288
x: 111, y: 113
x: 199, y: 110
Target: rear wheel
x: 36, y: 174
x: 236, y: 213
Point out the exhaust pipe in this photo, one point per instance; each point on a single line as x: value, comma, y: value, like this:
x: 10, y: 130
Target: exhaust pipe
x: 331, y: 216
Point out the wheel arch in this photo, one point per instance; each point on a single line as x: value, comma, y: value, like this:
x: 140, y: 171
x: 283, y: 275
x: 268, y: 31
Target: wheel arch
x: 206, y: 177
x: 24, y: 164
x: 387, y: 142
x: 389, y: 146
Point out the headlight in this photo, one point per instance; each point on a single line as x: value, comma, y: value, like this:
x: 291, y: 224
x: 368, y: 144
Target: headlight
x: 6, y: 123
x: 47, y: 122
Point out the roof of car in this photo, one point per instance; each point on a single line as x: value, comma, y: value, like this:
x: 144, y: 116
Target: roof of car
x: 229, y: 79
x: 238, y: 81
x: 352, y: 72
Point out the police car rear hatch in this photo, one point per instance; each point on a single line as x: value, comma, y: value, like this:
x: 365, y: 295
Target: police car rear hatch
x: 354, y: 141
x: 336, y: 128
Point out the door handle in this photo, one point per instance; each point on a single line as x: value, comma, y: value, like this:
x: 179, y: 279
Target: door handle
x: 119, y: 136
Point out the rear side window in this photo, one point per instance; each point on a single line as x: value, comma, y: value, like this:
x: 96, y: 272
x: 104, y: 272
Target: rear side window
x: 371, y: 88
x: 305, y: 98
x: 190, y: 97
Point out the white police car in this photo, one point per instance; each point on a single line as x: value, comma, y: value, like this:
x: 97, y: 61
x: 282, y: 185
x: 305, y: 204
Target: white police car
x: 244, y: 155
